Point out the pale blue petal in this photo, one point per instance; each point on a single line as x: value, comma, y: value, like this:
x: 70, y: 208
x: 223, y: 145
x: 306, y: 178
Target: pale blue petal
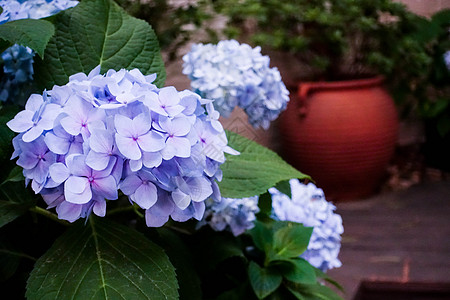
x: 101, y: 141
x: 100, y: 208
x: 181, y: 199
x: 32, y: 134
x: 57, y: 144
x: 71, y: 125
x: 106, y: 187
x: 151, y: 142
x: 59, y: 172
x: 136, y: 165
x: 200, y: 188
x: 182, y: 146
x: 97, y: 161
x: 76, y: 185
x: 77, y: 165
x: 21, y: 122
x: 141, y: 124
x: 151, y: 159
x: 128, y: 147
x: 69, y: 211
x: 123, y: 126
x: 130, y: 184
x: 146, y: 195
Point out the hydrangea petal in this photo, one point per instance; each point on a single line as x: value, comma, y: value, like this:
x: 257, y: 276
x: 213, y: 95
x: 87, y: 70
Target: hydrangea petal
x: 106, y: 187
x: 22, y: 121
x: 130, y: 184
x: 59, y: 172
x: 151, y: 142
x: 146, y: 195
x: 128, y: 147
x: 97, y: 161
x: 69, y: 211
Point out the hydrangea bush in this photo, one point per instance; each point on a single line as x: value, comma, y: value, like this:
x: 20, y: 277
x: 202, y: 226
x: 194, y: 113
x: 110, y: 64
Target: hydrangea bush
x: 236, y: 215
x: 309, y: 207
x: 234, y: 74
x: 82, y: 142
x: 134, y: 169
x: 18, y: 60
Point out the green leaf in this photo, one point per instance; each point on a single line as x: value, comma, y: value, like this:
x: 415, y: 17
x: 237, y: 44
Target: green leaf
x: 302, y: 272
x: 254, y: 171
x: 265, y: 203
x: 284, y: 187
x: 328, y: 279
x: 28, y: 32
x: 9, y: 260
x: 102, y: 260
x: 263, y: 281
x: 262, y: 236
x: 9, y: 211
x: 15, y: 175
x: 313, y: 292
x: 6, y: 135
x: 181, y: 258
x: 98, y: 32
x: 290, y: 241
x: 15, y: 200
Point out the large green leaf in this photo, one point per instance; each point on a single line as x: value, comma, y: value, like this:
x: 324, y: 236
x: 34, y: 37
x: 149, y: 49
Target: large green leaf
x: 15, y: 200
x: 313, y: 292
x: 262, y: 236
x: 181, y: 258
x: 6, y: 135
x: 291, y: 240
x: 302, y: 272
x: 9, y: 211
x: 98, y: 32
x: 28, y: 32
x: 103, y: 260
x: 264, y: 281
x: 254, y: 171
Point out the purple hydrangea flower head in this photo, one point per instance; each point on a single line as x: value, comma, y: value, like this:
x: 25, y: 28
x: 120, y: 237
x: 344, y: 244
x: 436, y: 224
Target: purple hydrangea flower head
x: 236, y: 215
x: 18, y: 60
x: 234, y: 74
x: 80, y: 143
x: 309, y: 207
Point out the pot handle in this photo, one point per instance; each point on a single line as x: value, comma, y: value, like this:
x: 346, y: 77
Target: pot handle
x: 303, y: 90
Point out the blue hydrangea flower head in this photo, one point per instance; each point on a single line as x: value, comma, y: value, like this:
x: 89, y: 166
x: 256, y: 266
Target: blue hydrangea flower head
x: 309, y: 207
x: 80, y: 143
x: 236, y: 215
x: 18, y: 60
x: 234, y: 74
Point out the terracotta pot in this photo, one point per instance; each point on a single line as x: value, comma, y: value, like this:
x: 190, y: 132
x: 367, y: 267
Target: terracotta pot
x: 342, y: 133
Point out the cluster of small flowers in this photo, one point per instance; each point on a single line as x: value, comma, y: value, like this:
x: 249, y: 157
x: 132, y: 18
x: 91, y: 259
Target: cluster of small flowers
x: 18, y: 60
x: 309, y: 207
x: 32, y: 9
x: 235, y: 74
x: 81, y: 142
x: 237, y: 215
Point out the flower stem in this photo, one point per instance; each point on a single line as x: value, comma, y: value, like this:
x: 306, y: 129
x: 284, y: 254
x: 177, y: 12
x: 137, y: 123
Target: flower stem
x: 8, y: 252
x: 50, y: 215
x: 125, y: 209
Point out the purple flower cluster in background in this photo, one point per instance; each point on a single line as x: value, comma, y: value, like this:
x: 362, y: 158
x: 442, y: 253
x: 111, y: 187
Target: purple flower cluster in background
x: 32, y: 9
x: 234, y: 74
x: 18, y: 60
x: 309, y: 207
x: 237, y: 215
x: 80, y: 143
